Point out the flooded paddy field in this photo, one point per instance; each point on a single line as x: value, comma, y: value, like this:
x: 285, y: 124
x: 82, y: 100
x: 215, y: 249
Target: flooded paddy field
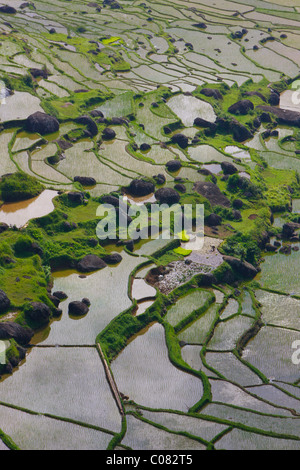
x: 140, y: 343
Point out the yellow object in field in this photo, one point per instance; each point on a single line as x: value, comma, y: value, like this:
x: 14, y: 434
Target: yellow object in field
x: 183, y: 236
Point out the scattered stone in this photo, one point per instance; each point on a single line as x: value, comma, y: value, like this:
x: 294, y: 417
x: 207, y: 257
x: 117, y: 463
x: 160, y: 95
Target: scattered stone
x: 60, y: 295
x: 139, y: 187
x: 112, y: 258
x: 241, y: 107
x: 228, y: 168
x: 211, y: 93
x: 270, y: 247
x: 212, y: 192
x: 39, y: 73
x: 181, y: 140
x: 38, y: 313
x: 20, y: 334
x: 91, y: 125
x: 180, y: 187
x: 284, y: 116
x: 41, y: 123
x: 274, y: 99
x: 78, y: 309
x: 85, y: 180
x: 108, y: 134
x: 91, y: 263
x: 199, y: 122
x: 173, y: 165
x: 240, y: 132
x: 76, y: 197
x: 289, y: 228
x: 243, y: 268
x: 8, y: 10
x: 4, y: 301
x: 145, y: 147
x: 213, y: 219
x: 159, y: 179
x: 167, y: 196
x: 286, y: 249
x: 237, y: 203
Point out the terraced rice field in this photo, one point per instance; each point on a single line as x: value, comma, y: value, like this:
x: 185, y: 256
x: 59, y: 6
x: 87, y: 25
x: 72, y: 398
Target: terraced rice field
x: 197, y: 367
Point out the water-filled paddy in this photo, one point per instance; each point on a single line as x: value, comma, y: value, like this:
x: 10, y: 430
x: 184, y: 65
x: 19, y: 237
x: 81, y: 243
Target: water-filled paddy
x: 144, y: 436
x: 107, y: 291
x: 19, y: 213
x: 52, y: 434
x: 144, y: 372
x: 73, y: 385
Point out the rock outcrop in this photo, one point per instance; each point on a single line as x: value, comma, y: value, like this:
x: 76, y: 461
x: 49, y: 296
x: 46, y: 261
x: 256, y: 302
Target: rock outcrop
x: 21, y: 335
x: 140, y: 187
x: 41, y: 123
x: 77, y: 308
x: 85, y: 180
x: 211, y: 192
x: 243, y: 268
x: 167, y: 196
x: 90, y: 263
x: 4, y: 301
x: 241, y: 107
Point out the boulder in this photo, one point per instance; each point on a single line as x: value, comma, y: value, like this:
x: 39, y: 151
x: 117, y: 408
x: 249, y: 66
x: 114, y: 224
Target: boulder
x: 108, y: 134
x: 8, y: 10
x: 60, y: 295
x: 174, y: 165
x: 20, y: 334
x: 211, y: 192
x: 85, y: 180
x: 199, y: 122
x: 167, y: 196
x: 237, y: 215
x: 139, y: 187
x: 86, y: 301
x: 3, y: 227
x: 243, y: 268
x: 96, y: 113
x: 89, y: 123
x: 289, y: 228
x: 213, y: 219
x: 159, y: 179
x: 255, y: 93
x: 41, y: 123
x: 39, y: 73
x: 207, y: 280
x: 77, y: 308
x: 145, y: 147
x: 286, y: 250
x: 76, y: 197
x: 265, y: 117
x: 270, y: 247
x: 240, y: 132
x: 38, y: 313
x: 241, y: 107
x: 181, y: 140
x: 211, y: 93
x: 112, y: 258
x: 180, y: 187
x: 4, y: 301
x: 90, y: 263
x: 274, y: 99
x: 228, y: 168
x: 237, y: 203
x: 54, y: 300
x: 284, y: 116
x: 117, y: 121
